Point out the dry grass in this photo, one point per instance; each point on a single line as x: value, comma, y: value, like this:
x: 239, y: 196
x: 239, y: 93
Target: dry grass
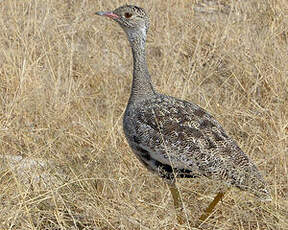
x: 65, y: 80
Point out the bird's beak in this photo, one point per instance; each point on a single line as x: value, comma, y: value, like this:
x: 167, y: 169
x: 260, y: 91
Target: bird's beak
x: 107, y: 14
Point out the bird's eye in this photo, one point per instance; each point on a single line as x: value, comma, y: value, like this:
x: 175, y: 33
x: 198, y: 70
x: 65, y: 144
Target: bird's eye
x: 127, y: 15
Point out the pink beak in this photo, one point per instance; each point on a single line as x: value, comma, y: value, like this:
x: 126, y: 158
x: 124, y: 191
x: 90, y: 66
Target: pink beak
x: 107, y: 14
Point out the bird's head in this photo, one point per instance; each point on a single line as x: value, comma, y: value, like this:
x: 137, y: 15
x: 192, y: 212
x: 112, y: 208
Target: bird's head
x: 132, y: 19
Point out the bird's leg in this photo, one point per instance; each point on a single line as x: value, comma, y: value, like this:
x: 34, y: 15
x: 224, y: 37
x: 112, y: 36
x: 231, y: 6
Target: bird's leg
x: 212, y: 205
x: 177, y: 202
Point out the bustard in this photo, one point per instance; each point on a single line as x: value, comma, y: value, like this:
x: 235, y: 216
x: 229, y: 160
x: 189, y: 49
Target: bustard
x: 173, y: 137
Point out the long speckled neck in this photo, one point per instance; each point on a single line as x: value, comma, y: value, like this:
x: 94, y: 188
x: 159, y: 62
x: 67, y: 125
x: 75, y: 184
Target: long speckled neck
x: 142, y: 85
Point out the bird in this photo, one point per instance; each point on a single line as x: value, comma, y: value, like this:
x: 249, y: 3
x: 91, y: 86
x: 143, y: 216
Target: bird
x: 175, y: 138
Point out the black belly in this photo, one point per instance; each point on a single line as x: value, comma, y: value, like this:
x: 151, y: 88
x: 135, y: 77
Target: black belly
x: 167, y: 172
x: 163, y: 170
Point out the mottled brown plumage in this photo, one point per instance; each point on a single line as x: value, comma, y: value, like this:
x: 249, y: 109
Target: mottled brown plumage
x: 176, y: 138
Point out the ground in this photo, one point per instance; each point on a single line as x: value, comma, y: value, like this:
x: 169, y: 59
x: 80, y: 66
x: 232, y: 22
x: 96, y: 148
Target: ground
x: 65, y: 80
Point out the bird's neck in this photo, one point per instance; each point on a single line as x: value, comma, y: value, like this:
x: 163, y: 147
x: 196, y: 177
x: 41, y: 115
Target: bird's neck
x: 141, y: 85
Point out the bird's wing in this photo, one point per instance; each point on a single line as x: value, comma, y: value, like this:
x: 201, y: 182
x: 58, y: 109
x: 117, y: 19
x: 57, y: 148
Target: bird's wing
x: 184, y: 135
x: 180, y: 135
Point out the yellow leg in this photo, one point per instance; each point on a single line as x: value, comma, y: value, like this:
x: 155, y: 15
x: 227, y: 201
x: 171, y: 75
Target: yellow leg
x: 177, y: 202
x: 212, y: 205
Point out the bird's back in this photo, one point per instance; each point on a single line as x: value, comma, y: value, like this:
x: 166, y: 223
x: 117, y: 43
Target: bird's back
x: 177, y: 138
